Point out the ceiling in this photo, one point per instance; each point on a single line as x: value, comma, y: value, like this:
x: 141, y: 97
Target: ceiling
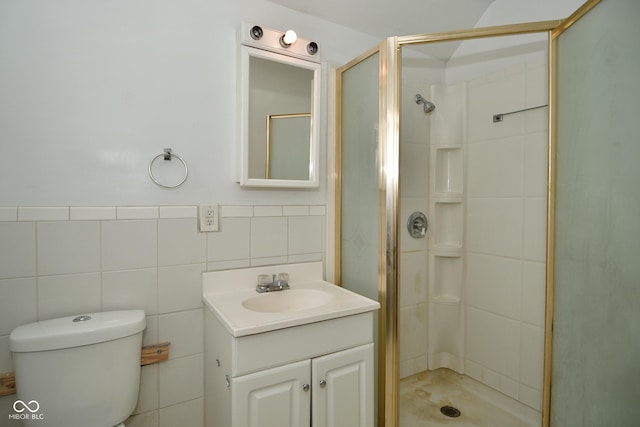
x: 384, y: 18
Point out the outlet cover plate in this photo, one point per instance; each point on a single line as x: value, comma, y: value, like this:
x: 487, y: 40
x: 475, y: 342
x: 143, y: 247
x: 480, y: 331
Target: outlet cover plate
x: 208, y: 218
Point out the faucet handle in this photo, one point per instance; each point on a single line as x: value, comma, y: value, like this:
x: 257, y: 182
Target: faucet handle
x: 283, y: 277
x: 263, y: 282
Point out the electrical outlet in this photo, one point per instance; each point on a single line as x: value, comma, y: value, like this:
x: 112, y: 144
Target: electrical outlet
x: 208, y: 218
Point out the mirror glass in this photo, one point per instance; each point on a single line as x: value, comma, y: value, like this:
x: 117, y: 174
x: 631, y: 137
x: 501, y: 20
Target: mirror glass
x: 280, y: 96
x: 288, y: 138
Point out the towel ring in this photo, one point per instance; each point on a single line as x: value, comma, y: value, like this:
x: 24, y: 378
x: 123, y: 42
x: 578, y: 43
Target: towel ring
x: 167, y: 155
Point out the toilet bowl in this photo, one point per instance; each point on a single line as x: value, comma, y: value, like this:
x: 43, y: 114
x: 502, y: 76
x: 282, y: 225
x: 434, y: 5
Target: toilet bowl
x: 82, y: 371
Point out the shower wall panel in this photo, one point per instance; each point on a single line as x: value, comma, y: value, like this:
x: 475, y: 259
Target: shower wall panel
x: 505, y: 231
x: 446, y: 241
x: 414, y: 184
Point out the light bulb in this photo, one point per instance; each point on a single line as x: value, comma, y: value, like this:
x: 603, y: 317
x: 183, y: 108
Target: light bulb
x: 288, y: 38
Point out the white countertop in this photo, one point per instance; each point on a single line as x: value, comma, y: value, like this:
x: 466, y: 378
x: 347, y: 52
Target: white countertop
x: 224, y: 293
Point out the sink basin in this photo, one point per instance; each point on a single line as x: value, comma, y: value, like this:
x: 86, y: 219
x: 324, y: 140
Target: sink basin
x: 231, y: 296
x: 287, y: 301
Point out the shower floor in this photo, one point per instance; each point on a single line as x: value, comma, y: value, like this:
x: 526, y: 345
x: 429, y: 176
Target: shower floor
x: 423, y: 394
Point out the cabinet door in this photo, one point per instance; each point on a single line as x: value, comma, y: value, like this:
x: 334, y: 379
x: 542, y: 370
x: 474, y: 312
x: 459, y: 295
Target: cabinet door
x: 343, y: 388
x: 273, y: 397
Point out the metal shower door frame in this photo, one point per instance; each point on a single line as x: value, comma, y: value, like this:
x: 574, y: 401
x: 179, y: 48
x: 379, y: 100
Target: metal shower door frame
x: 390, y: 51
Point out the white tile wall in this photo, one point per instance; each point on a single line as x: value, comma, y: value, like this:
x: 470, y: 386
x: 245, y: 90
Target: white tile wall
x: 131, y: 289
x: 268, y: 236
x: 413, y: 276
x: 68, y: 260
x: 232, y: 242
x: 66, y: 247
x: 178, y: 244
x: 493, y: 284
x: 17, y: 250
x: 305, y: 235
x: 494, y: 226
x: 506, y: 231
x: 493, y: 342
x: 92, y: 213
x: 533, y: 293
x: 8, y: 214
x: 190, y: 413
x: 535, y: 164
x: 489, y: 162
x: 129, y: 244
x: 65, y: 295
x: 43, y: 213
x: 17, y: 303
x: 180, y: 287
x: 181, y: 380
x: 414, y: 172
x: 414, y: 185
x: 412, y: 325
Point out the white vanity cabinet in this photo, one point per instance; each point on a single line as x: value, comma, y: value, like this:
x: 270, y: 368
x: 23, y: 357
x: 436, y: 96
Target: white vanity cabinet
x: 319, y: 374
x: 273, y: 397
x: 342, y: 388
x: 292, y: 358
x: 336, y: 386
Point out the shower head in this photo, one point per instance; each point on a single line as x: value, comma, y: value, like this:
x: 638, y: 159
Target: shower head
x: 428, y: 106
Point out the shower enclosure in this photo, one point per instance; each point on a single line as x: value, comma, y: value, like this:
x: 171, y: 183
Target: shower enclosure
x: 469, y: 295
x: 449, y: 297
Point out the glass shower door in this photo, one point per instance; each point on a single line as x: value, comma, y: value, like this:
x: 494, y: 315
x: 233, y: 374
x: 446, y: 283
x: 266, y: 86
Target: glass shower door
x: 358, y: 157
x: 596, y: 320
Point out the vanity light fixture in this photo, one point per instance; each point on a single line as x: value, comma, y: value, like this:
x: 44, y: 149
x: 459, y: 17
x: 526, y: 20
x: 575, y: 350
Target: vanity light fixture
x: 312, y: 48
x: 288, y: 38
x: 256, y: 32
x: 278, y: 41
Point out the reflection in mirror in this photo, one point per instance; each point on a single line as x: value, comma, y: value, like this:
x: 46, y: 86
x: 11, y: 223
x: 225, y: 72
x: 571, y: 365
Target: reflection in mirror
x: 280, y: 90
x: 288, y: 146
x: 279, y: 98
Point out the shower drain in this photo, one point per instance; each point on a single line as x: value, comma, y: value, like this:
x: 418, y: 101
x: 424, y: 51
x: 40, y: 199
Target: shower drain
x: 450, y: 411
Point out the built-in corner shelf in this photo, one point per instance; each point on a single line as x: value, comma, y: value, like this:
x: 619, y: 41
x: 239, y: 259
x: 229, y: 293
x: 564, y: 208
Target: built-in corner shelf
x: 447, y: 279
x: 448, y: 220
x: 446, y: 244
x: 448, y: 169
x: 446, y: 299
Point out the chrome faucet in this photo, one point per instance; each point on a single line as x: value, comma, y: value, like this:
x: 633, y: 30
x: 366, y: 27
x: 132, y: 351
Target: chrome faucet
x: 279, y: 284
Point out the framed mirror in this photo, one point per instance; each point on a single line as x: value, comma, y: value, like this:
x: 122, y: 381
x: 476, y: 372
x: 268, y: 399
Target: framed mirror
x: 279, y: 99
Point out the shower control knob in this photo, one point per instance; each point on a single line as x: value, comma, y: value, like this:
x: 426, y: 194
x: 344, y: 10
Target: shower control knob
x: 417, y: 225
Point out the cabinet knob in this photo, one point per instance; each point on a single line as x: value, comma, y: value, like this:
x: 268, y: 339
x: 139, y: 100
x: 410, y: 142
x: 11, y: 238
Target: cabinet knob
x: 306, y: 387
x: 323, y: 383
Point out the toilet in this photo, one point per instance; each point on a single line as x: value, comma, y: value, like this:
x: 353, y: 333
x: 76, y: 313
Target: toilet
x: 78, y: 371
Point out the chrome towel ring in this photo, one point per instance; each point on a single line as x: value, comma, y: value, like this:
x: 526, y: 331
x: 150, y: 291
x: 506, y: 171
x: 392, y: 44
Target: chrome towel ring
x: 167, y: 155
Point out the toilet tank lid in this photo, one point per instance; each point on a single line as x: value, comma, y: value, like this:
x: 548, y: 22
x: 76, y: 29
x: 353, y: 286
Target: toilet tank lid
x: 75, y: 331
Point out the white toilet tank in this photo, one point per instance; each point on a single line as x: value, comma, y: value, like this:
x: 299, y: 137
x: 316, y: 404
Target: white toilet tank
x: 82, y: 371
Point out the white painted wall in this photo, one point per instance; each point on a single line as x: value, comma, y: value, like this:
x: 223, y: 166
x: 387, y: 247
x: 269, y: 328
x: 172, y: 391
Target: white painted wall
x: 91, y: 91
x: 474, y: 58
x: 503, y: 12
